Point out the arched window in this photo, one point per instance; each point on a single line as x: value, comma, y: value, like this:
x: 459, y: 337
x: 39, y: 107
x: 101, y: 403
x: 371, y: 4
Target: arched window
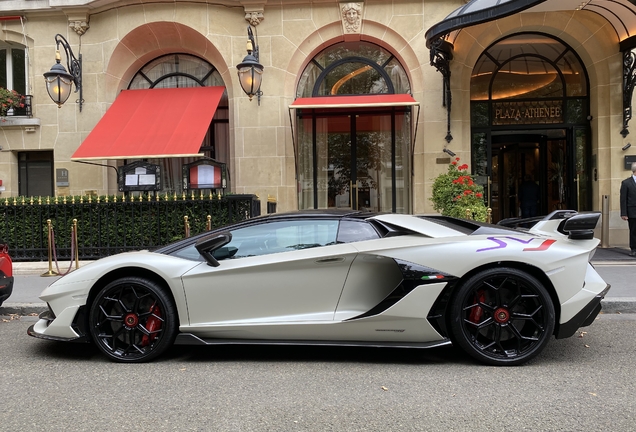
x: 354, y: 156
x: 174, y: 71
x: 528, y: 66
x: 185, y: 70
x: 353, y: 68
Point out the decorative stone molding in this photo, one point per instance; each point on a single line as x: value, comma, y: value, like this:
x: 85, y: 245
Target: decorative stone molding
x: 79, y: 27
x: 254, y: 18
x: 254, y: 11
x: 351, y: 14
x: 78, y: 20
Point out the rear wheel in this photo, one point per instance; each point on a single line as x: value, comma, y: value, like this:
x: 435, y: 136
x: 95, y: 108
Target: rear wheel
x: 133, y: 320
x: 502, y: 316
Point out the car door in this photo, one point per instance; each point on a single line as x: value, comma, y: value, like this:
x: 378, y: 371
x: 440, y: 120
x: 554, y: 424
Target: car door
x: 282, y: 271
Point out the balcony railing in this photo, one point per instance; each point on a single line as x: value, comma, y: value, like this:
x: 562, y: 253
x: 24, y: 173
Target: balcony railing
x: 27, y: 111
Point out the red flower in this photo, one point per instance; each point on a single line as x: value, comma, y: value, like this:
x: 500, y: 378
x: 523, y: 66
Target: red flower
x: 467, y: 192
x: 457, y: 159
x: 454, y: 163
x: 478, y: 195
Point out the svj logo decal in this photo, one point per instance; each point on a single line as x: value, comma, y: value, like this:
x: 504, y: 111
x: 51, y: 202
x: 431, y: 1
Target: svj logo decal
x: 502, y: 243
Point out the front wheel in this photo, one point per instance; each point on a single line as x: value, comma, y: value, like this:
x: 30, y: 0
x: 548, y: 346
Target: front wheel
x: 502, y: 316
x: 133, y: 320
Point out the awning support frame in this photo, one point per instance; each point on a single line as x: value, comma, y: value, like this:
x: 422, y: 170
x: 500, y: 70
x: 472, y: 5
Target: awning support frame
x: 441, y: 54
x: 629, y: 82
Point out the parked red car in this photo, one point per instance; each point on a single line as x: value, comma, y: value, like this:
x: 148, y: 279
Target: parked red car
x: 6, y: 273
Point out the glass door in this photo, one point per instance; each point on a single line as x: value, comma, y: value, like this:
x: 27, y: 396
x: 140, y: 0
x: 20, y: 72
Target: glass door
x: 361, y: 162
x: 371, y: 172
x: 518, y: 186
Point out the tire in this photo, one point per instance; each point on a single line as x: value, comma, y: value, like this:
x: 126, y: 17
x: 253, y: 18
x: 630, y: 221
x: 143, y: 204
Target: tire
x: 502, y: 317
x: 132, y: 320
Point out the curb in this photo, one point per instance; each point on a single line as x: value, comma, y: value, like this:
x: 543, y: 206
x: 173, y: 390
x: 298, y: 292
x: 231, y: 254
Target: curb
x: 22, y: 309
x: 615, y: 305
x: 618, y: 305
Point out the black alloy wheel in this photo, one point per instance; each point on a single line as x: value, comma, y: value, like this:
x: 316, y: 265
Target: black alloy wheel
x: 502, y: 317
x: 133, y: 320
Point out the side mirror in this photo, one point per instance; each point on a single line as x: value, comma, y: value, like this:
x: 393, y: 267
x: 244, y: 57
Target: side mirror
x: 207, y: 245
x: 224, y: 252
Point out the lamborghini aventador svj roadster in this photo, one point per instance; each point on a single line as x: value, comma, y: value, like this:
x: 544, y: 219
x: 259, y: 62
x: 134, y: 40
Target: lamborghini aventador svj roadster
x: 339, y: 278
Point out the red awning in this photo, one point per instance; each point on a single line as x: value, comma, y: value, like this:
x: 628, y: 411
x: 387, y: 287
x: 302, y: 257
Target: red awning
x: 153, y: 123
x: 368, y: 101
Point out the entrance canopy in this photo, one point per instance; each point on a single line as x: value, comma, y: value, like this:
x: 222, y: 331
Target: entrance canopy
x: 361, y: 101
x: 621, y: 14
x: 153, y: 123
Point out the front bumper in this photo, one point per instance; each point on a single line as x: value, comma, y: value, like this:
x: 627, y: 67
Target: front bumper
x: 6, y: 287
x: 45, y: 328
x: 584, y: 318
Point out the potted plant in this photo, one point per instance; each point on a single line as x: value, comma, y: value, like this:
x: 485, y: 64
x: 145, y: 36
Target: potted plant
x: 9, y: 99
x: 456, y: 194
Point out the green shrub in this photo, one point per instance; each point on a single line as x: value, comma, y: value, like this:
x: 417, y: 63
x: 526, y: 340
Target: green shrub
x: 108, y: 225
x: 456, y: 194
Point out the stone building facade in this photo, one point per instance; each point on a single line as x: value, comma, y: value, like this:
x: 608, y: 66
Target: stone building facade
x: 352, y: 112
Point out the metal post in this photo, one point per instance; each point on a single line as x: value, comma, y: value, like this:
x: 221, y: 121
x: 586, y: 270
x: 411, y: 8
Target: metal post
x: 50, y: 272
x: 605, y: 222
x: 76, y: 244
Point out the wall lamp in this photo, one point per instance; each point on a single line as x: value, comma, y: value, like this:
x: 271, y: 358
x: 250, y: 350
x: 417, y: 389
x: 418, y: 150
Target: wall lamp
x: 250, y: 71
x: 58, y: 80
x: 626, y: 146
x: 449, y: 152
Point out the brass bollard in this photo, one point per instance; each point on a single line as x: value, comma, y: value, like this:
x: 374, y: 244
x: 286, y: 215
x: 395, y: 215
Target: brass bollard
x: 468, y: 214
x: 50, y: 272
x: 208, y: 224
x: 489, y: 215
x: 186, y: 226
x: 76, y: 244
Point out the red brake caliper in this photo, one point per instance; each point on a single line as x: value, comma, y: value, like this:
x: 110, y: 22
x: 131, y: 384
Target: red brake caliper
x: 477, y: 312
x: 152, y: 324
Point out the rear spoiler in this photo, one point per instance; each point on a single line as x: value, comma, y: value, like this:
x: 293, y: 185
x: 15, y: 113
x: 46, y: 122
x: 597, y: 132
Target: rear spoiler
x: 577, y: 226
x: 580, y: 226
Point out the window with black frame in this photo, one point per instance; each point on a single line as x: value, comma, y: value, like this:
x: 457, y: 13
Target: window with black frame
x: 180, y: 70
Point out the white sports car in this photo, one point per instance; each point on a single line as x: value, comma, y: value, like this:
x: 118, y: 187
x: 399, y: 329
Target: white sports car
x: 339, y: 278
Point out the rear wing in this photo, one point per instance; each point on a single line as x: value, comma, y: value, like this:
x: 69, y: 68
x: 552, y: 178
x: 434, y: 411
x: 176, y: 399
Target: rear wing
x: 577, y: 226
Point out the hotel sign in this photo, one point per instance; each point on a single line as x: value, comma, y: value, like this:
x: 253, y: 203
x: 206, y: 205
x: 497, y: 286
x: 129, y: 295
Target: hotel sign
x: 533, y: 112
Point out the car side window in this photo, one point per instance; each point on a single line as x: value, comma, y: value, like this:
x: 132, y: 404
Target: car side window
x: 282, y: 236
x: 354, y: 231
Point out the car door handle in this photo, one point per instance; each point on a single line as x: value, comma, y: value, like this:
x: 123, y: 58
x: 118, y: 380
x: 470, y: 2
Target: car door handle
x: 330, y: 260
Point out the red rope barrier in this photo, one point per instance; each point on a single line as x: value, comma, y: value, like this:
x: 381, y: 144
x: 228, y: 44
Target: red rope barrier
x: 55, y: 253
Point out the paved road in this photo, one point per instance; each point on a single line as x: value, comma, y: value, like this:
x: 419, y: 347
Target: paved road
x: 577, y: 384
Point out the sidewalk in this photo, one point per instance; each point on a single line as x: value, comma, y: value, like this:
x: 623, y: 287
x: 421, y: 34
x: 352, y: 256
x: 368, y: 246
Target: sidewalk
x: 39, y: 267
x: 613, y: 256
